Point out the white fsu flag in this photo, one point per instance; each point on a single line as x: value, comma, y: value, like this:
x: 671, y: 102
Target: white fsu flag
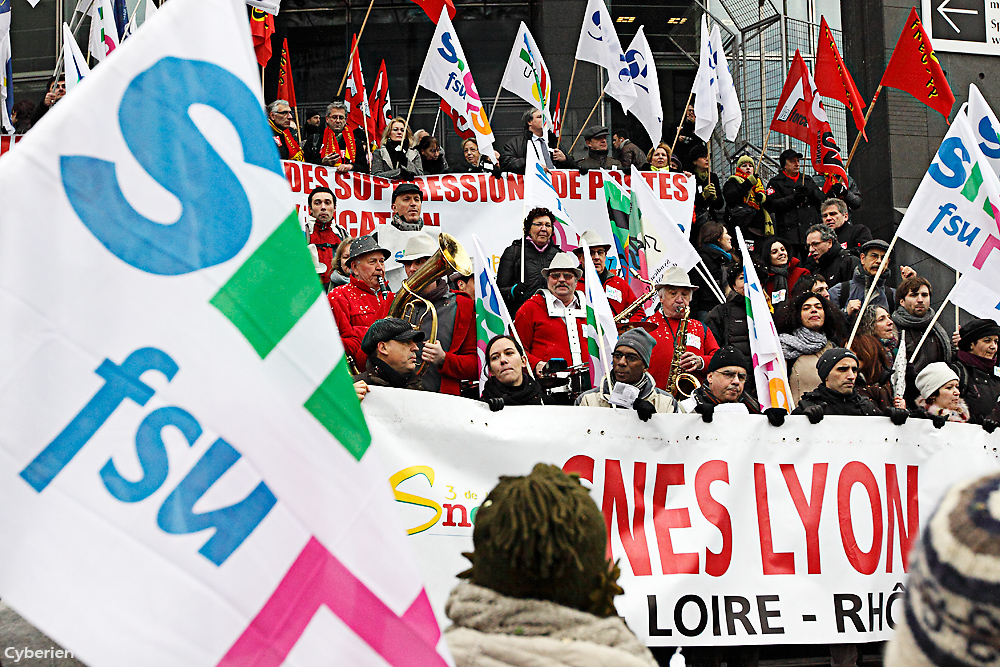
x: 185, y: 471
x: 75, y: 64
x: 446, y: 72
x: 599, y: 44
x: 952, y: 216
x: 648, y: 107
x: 527, y: 76
x: 665, y: 239
x: 103, y: 31
x: 976, y: 299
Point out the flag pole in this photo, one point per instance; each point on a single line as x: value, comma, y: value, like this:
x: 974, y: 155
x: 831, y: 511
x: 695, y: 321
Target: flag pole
x: 681, y: 124
x: 763, y: 150
x: 298, y: 126
x: 857, y: 139
x: 958, y: 276
x: 566, y: 105
x: 494, y: 108
x: 354, y: 48
x: 584, y: 126
x: 406, y: 124
x: 930, y: 325
x: 871, y: 289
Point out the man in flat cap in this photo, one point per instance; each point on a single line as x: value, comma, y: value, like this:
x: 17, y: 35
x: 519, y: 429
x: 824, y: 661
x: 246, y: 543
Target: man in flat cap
x: 849, y: 294
x: 390, y: 346
x: 596, y: 138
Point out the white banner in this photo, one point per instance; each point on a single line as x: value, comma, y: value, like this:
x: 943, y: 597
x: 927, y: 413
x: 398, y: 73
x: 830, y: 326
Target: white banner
x: 976, y: 299
x: 734, y: 532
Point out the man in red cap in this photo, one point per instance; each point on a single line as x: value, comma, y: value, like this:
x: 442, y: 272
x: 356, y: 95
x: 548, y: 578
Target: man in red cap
x: 365, y: 299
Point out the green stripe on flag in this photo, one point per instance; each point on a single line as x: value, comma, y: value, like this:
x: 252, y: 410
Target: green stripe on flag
x: 335, y: 405
x: 272, y: 290
x: 971, y: 189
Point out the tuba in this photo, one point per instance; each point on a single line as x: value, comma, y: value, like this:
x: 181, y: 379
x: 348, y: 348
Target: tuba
x: 450, y: 258
x: 681, y: 385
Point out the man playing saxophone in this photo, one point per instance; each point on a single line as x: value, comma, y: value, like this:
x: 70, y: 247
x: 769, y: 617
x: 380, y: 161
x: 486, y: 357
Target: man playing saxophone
x: 697, y: 342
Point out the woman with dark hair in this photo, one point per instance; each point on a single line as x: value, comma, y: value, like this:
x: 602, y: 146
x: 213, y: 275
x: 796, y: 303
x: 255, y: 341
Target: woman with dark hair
x: 781, y: 270
x: 431, y: 156
x: 875, y: 366
x: 976, y: 367
x: 536, y: 248
x: 808, y: 326
x: 508, y: 381
x: 715, y: 247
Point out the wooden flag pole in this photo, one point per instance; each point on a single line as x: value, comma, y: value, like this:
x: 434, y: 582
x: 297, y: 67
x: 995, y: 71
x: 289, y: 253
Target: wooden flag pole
x: 495, y: 101
x: 871, y: 289
x: 681, y: 124
x: 857, y: 139
x: 584, y: 126
x: 298, y: 126
x: 406, y: 124
x: 566, y: 105
x: 354, y: 48
x: 763, y: 150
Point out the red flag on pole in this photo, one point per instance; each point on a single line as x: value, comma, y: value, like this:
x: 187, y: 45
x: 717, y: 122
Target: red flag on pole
x: 358, y: 113
x: 557, y: 118
x: 286, y: 89
x: 433, y: 8
x: 915, y: 69
x: 800, y: 114
x: 261, y: 29
x: 462, y: 126
x: 832, y: 78
x: 379, y: 103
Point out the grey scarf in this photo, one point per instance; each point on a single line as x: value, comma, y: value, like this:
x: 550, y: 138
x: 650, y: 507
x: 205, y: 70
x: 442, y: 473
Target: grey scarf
x: 906, y: 321
x: 800, y: 342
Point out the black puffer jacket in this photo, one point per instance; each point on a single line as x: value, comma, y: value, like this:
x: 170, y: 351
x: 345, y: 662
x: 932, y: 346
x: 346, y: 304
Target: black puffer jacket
x: 718, y: 266
x: 836, y: 265
x: 980, y: 387
x: 793, y: 215
x: 728, y: 322
x: 509, y: 272
x: 833, y: 403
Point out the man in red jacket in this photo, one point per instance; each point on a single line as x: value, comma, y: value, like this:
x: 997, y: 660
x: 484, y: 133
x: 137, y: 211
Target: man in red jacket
x: 675, y: 290
x: 365, y: 299
x: 325, y: 235
x: 620, y: 295
x: 452, y: 357
x: 551, y: 322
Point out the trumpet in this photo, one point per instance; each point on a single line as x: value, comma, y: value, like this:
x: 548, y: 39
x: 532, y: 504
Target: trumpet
x: 681, y: 385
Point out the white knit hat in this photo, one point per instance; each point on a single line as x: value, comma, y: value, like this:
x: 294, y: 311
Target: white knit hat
x: 933, y: 377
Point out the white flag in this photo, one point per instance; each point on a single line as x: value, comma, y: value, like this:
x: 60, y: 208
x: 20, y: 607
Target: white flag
x: 269, y: 6
x: 182, y: 414
x: 706, y: 87
x: 600, y: 330
x: 527, y: 76
x: 977, y: 299
x: 732, y: 115
x: 539, y: 192
x: 6, y: 70
x: 665, y: 239
x: 75, y: 64
x: 446, y: 72
x: 952, y: 216
x: 599, y: 44
x: 103, y: 31
x: 647, y: 108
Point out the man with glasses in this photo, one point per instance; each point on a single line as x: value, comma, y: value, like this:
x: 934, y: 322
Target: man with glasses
x: 631, y: 387
x: 725, y: 383
x: 826, y: 257
x: 279, y: 115
x: 536, y: 250
x: 337, y: 147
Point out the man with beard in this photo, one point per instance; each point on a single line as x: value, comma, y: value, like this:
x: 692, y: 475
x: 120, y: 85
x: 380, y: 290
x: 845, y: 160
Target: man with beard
x: 391, y: 348
x: 335, y: 147
x: 596, y: 138
x: 725, y: 383
x: 912, y: 318
x: 837, y: 393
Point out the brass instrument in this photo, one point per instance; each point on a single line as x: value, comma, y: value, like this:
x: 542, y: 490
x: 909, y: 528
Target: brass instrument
x: 450, y: 258
x: 681, y: 385
x: 622, y: 317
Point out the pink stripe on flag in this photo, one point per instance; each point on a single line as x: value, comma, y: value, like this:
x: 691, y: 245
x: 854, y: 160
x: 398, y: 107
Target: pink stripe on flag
x: 315, y: 579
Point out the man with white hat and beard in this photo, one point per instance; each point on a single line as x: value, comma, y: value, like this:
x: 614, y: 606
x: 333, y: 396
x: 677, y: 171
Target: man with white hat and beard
x: 550, y: 323
x: 452, y: 357
x: 675, y: 290
x: 617, y: 289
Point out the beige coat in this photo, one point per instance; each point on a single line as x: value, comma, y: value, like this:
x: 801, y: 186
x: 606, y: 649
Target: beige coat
x: 661, y: 400
x: 493, y: 630
x: 802, y: 376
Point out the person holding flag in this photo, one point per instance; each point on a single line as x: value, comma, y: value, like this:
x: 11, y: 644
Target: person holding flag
x: 336, y: 146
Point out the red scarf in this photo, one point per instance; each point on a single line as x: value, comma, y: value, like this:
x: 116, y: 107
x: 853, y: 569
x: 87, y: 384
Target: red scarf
x: 332, y: 147
x: 294, y: 150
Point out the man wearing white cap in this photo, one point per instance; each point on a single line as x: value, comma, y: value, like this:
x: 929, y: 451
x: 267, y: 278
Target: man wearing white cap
x: 675, y: 291
x: 551, y: 322
x: 452, y: 357
x: 620, y: 295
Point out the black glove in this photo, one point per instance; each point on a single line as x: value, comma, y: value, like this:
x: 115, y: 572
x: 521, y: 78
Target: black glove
x: 644, y: 408
x: 706, y: 410
x: 405, y: 174
x: 496, y: 404
x: 938, y: 420
x: 583, y: 170
x: 776, y: 416
x: 801, y: 190
x: 517, y: 291
x: 989, y: 425
x: 898, y: 415
x: 814, y: 413
x: 758, y: 197
x: 837, y: 190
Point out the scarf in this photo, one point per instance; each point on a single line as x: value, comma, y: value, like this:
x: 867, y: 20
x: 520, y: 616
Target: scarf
x: 779, y: 277
x: 960, y: 415
x: 393, y: 377
x: 800, y: 342
x: 396, y: 156
x: 971, y: 360
x: 539, y: 248
x: 294, y: 151
x: 528, y: 393
x: 331, y: 146
x: 646, y: 386
x: 749, y: 199
x: 904, y: 320
x: 722, y: 252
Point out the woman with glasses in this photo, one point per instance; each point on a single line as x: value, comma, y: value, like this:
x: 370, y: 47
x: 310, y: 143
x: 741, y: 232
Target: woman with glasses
x: 536, y: 250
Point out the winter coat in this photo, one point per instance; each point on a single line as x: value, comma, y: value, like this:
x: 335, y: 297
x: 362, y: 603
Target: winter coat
x: 356, y: 307
x: 850, y: 196
x: 326, y: 240
x: 856, y: 288
x: 699, y: 341
x: 851, y: 237
x: 438, y: 166
x: 383, y: 166
x: 795, y: 271
x: 512, y: 156
x: 728, y: 323
x: 493, y: 630
x: 937, y: 347
x: 836, y: 265
x: 980, y: 385
x: 514, y: 292
x: 461, y: 361
x: 706, y: 210
x: 598, y: 160
x: 834, y: 403
x: 631, y: 154
x: 377, y: 373
x: 803, y: 376
x: 743, y: 209
x: 703, y: 396
x: 661, y: 400
x: 545, y: 337
x: 312, y: 145
x: 792, y: 218
x: 718, y: 266
x: 929, y: 411
x: 528, y: 393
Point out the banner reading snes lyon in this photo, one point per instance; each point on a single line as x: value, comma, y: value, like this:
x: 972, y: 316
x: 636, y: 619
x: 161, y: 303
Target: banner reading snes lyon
x: 734, y: 532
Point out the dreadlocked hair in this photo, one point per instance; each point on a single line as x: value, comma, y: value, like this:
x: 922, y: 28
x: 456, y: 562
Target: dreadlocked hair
x: 541, y: 536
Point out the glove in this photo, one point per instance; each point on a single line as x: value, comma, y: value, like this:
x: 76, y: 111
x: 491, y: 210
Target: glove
x: 989, y: 425
x: 898, y: 415
x: 583, y: 170
x: 814, y: 413
x: 405, y: 174
x: 644, y: 408
x: 776, y: 416
x: 837, y: 190
x: 801, y: 190
x: 496, y: 404
x: 706, y: 410
x: 938, y: 420
x: 758, y: 197
x: 517, y: 291
x: 709, y: 191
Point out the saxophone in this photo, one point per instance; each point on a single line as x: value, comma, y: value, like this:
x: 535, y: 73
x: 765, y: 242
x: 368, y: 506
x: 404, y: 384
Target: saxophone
x: 681, y: 385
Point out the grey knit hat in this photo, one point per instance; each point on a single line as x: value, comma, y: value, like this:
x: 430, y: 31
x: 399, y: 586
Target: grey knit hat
x: 640, y: 341
x: 951, y: 610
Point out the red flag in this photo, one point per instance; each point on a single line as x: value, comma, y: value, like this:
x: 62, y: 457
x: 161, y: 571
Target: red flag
x: 286, y: 89
x: 379, y: 103
x: 261, y: 29
x: 833, y: 80
x: 358, y: 113
x: 557, y: 118
x: 433, y: 8
x: 462, y: 126
x: 800, y: 114
x: 915, y: 69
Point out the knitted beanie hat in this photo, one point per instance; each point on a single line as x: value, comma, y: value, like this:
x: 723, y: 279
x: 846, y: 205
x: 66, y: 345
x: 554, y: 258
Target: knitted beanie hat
x: 933, y: 377
x: 543, y: 537
x: 829, y: 360
x: 951, y: 611
x: 640, y: 341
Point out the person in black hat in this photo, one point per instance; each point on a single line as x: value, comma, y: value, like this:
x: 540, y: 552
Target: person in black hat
x: 976, y: 367
x: 596, y: 138
x: 514, y: 153
x: 708, y: 199
x: 848, y: 295
x: 407, y: 201
x: 793, y: 200
x: 725, y: 382
x: 837, y: 394
x: 364, y: 299
x: 391, y: 348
